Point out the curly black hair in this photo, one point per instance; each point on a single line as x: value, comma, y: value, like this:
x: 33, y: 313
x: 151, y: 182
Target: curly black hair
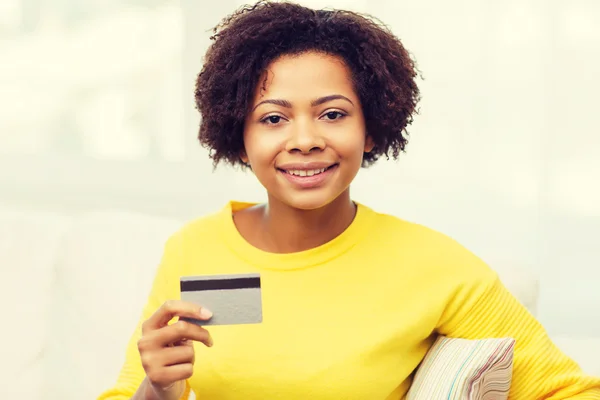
x: 248, y: 41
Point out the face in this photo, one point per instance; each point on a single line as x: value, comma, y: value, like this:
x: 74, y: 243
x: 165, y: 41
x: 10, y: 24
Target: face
x: 305, y: 134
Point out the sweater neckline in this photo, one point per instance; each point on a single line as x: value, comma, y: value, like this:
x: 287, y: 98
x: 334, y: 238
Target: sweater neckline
x: 353, y: 234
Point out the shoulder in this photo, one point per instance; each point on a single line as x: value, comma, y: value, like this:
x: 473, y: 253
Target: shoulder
x: 421, y: 238
x: 429, y: 250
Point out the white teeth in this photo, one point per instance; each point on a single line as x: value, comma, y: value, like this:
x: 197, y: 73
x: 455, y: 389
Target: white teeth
x: 305, y: 172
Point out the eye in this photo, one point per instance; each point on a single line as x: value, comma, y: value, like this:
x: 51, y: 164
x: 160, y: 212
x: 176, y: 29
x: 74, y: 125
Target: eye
x: 333, y: 115
x: 271, y: 120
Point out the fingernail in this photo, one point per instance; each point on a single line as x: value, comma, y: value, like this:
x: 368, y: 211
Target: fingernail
x: 205, y: 313
x: 210, y: 342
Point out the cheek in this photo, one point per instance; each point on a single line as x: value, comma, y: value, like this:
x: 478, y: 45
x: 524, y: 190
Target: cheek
x: 261, y: 149
x: 350, y: 147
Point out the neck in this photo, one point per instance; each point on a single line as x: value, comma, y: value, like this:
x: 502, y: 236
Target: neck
x: 289, y: 230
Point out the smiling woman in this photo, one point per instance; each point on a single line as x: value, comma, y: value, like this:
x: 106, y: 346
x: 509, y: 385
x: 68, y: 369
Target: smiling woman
x: 352, y: 299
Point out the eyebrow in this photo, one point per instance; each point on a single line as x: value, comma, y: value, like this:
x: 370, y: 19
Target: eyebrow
x: 314, y: 103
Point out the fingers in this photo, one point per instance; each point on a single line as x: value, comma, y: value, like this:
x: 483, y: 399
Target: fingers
x: 168, y: 357
x: 175, y: 308
x: 176, y: 333
x: 167, y: 351
x: 179, y: 355
x: 182, y: 330
x: 165, y: 377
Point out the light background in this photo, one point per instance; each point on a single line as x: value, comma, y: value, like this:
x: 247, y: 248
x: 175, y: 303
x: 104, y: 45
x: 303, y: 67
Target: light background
x: 96, y: 112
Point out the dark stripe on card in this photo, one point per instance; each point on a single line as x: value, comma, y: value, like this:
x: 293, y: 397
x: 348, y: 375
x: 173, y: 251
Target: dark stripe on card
x: 220, y: 284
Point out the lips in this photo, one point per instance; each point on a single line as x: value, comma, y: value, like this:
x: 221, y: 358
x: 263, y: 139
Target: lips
x: 308, y: 176
x: 305, y: 166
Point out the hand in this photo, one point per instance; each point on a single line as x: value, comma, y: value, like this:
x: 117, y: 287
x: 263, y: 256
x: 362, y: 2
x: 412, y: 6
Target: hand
x: 166, y: 351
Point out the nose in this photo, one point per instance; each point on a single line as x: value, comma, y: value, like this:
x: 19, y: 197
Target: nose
x: 305, y: 138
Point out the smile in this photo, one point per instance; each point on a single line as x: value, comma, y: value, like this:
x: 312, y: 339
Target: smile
x: 307, y: 172
x: 308, y: 178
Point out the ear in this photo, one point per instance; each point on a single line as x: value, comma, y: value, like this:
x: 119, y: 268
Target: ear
x: 369, y: 144
x: 244, y: 157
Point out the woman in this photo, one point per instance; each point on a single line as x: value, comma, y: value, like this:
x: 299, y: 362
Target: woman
x: 352, y: 299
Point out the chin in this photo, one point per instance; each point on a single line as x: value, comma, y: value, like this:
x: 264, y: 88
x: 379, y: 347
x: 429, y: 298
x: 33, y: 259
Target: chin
x: 306, y: 206
x: 308, y: 200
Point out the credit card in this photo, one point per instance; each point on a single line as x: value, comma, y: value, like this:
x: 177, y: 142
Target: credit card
x: 233, y: 299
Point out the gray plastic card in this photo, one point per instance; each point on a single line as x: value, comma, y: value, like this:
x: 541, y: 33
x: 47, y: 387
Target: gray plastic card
x: 233, y: 299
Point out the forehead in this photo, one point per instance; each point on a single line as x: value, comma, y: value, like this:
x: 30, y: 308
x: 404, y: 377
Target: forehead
x: 305, y: 75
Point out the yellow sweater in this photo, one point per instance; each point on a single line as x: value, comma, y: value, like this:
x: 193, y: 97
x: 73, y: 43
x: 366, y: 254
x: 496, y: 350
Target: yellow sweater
x: 352, y: 318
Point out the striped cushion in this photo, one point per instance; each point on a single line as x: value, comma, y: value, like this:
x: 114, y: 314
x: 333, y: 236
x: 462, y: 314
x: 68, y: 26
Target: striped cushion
x: 461, y: 369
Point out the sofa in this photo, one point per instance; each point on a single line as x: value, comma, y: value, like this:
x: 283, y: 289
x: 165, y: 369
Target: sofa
x: 73, y: 287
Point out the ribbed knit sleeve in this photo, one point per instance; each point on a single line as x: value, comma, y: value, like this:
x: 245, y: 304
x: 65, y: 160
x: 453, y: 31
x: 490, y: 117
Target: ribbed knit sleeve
x: 165, y: 287
x: 484, y: 308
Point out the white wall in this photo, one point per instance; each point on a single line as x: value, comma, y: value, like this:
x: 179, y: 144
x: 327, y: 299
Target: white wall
x: 97, y: 112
